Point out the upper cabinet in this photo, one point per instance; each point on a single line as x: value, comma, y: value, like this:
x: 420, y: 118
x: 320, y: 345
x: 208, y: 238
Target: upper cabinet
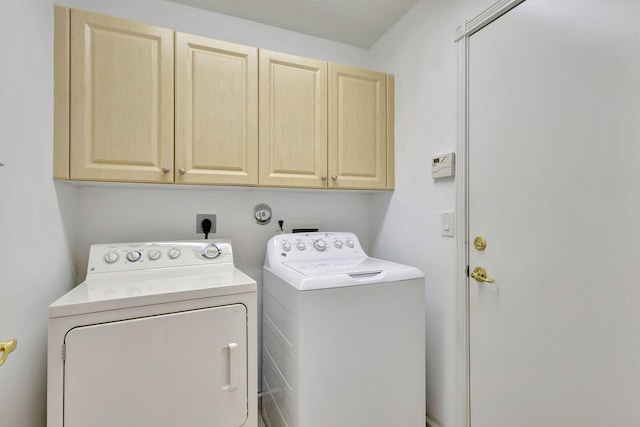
x: 293, y: 121
x: 121, y: 125
x: 216, y: 112
x: 138, y: 103
x: 357, y: 128
x: 324, y: 125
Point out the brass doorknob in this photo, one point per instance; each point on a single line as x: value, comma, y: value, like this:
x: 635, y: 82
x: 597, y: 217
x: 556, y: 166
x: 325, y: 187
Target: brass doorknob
x: 7, y: 347
x: 480, y: 274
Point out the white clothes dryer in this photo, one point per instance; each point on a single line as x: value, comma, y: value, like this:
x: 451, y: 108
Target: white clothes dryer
x: 343, y: 335
x: 159, y: 334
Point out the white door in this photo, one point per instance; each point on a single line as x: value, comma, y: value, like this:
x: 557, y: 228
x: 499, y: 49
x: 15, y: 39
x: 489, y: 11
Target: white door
x: 181, y: 369
x: 554, y: 188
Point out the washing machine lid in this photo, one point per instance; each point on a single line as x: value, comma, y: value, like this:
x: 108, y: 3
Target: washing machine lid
x: 322, y: 260
x: 342, y: 272
x: 351, y: 266
x: 111, y: 291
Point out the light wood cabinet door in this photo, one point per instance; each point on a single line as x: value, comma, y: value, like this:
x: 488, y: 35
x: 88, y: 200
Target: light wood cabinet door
x: 216, y: 112
x: 121, y: 100
x: 357, y: 128
x: 293, y: 121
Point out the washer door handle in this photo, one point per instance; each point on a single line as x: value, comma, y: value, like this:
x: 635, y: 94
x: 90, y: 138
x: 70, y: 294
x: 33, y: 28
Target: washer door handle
x: 233, y: 367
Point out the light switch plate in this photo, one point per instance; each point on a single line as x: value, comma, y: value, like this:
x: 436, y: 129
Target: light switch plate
x: 448, y: 219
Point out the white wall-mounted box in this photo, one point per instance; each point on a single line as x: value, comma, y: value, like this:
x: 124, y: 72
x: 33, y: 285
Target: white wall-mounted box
x: 443, y: 166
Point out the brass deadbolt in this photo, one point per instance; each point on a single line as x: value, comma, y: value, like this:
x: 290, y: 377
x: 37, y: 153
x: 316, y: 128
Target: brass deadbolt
x: 479, y: 243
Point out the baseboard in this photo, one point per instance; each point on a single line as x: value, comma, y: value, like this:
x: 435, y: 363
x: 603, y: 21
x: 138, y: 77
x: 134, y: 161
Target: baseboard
x: 431, y: 423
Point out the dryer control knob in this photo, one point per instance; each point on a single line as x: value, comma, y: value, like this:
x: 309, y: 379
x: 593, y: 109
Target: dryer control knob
x: 337, y: 244
x: 111, y: 257
x: 320, y: 245
x: 286, y: 246
x: 350, y: 243
x: 133, y: 256
x: 174, y: 253
x: 210, y: 251
x: 301, y: 246
x: 154, y: 254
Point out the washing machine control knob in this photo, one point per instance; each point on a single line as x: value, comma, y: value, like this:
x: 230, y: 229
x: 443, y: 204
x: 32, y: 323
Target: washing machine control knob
x: 133, y: 256
x: 320, y: 245
x: 210, y: 251
x: 111, y: 257
x: 301, y: 246
x: 174, y: 253
x: 286, y: 246
x: 154, y: 254
x: 350, y: 243
x: 338, y: 244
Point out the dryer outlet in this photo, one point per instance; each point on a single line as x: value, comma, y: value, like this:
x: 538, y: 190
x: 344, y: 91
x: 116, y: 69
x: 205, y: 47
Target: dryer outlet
x: 201, y: 217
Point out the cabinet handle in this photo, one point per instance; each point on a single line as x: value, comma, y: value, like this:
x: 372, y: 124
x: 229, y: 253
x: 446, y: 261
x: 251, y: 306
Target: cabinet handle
x: 165, y: 169
x: 334, y: 177
x: 181, y: 171
x: 323, y: 177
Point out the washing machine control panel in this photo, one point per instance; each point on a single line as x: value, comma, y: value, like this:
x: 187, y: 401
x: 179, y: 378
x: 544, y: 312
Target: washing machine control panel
x: 146, y: 255
x: 310, y: 246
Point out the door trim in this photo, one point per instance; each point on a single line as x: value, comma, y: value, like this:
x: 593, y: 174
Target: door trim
x: 463, y: 33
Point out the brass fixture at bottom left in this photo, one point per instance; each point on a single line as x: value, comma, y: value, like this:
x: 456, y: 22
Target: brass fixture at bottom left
x: 7, y: 347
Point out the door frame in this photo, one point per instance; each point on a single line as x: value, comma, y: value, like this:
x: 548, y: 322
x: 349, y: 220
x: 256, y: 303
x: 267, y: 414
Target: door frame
x: 463, y: 33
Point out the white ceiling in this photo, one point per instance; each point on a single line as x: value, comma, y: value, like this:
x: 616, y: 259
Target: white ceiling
x: 356, y: 22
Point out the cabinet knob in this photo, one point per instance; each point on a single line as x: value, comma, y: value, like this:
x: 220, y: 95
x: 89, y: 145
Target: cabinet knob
x: 165, y: 169
x: 323, y: 177
x: 181, y: 171
x: 334, y: 177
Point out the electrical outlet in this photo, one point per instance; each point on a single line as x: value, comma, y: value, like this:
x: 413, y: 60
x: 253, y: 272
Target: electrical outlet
x: 201, y: 217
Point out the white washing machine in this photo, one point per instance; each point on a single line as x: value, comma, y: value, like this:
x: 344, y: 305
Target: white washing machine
x: 158, y: 335
x: 343, y: 336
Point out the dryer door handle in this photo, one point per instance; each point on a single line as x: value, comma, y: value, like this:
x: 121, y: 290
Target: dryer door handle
x: 233, y: 367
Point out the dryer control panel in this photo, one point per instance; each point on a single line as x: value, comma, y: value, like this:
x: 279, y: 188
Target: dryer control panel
x: 116, y: 257
x: 312, y: 246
